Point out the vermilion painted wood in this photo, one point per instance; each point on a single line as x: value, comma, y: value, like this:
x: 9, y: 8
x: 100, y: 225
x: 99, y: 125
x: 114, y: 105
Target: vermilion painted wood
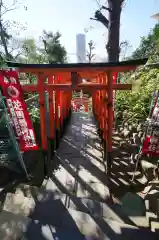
x: 68, y: 87
x: 77, y: 67
x: 99, y: 83
x: 103, y: 105
x: 50, y: 71
x: 100, y: 102
x: 51, y: 109
x: 105, y: 108
x: 57, y: 96
x: 40, y: 87
x: 59, y: 101
x: 110, y: 111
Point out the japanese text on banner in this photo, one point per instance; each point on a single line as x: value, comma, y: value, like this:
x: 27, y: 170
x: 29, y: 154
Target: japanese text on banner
x: 17, y: 109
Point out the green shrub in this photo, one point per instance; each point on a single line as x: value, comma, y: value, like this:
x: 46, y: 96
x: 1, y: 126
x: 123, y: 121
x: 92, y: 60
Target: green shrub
x: 134, y: 105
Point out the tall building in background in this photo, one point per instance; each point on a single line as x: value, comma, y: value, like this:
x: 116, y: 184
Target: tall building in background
x: 81, y: 48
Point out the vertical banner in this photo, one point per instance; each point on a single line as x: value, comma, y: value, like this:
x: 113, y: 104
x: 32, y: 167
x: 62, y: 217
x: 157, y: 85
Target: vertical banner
x: 151, y: 142
x: 17, y: 109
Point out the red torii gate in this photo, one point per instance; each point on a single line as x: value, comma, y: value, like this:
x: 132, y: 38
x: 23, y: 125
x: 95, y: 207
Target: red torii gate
x: 81, y: 101
x: 63, y: 79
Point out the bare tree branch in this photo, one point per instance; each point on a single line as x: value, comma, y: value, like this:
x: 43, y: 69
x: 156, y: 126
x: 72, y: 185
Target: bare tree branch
x: 90, y: 57
x: 45, y: 45
x: 106, y: 8
x: 94, y: 19
x: 8, y: 10
x: 18, y: 54
x: 90, y: 54
x: 6, y: 23
x: 13, y: 49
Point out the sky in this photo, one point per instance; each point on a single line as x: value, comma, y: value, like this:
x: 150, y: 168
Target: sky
x: 73, y: 16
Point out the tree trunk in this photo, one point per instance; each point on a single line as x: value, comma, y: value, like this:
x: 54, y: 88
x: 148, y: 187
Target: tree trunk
x: 2, y: 36
x: 112, y: 46
x: 8, y: 56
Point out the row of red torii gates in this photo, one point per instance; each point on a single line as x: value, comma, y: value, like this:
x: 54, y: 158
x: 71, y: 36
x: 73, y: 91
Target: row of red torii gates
x: 65, y: 78
x: 78, y: 101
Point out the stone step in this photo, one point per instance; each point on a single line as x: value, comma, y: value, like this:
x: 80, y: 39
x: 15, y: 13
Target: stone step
x: 154, y: 226
x: 72, y: 225
x: 140, y: 221
x: 18, y: 204
x: 48, y: 205
x: 12, y: 226
x: 54, y: 233
x: 36, y: 226
x: 25, y: 203
x: 83, y: 185
x: 25, y: 198
x: 89, y: 225
x: 92, y: 226
x: 37, y: 193
x: 151, y: 216
x: 56, y: 215
x: 106, y: 210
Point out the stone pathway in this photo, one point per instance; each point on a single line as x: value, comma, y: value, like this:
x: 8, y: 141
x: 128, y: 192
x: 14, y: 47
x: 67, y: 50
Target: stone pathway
x: 73, y: 202
x: 82, y: 171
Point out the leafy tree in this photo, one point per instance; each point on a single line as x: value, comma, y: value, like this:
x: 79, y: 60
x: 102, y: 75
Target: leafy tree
x: 30, y: 53
x: 56, y: 53
x: 149, y: 45
x: 134, y: 106
x: 7, y: 42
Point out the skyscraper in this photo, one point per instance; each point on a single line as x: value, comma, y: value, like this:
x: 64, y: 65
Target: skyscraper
x: 81, y: 48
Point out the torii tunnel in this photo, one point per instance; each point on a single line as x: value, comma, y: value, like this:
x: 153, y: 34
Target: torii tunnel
x: 59, y: 80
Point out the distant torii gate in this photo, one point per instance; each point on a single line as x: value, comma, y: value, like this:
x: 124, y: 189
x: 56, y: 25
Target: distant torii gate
x: 81, y: 101
x: 63, y: 79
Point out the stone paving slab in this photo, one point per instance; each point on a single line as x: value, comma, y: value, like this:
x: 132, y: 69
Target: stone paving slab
x: 41, y: 203
x: 72, y: 225
x: 81, y: 160
x: 12, y: 226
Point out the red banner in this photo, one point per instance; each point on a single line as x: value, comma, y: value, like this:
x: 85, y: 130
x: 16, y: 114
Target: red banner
x: 17, y: 109
x: 151, y: 142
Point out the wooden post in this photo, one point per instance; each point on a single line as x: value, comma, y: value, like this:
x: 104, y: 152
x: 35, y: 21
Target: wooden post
x: 105, y: 119
x: 100, y: 110
x: 51, y: 110
x: 109, y: 121
x: 51, y: 139
x: 44, y: 145
x: 57, y: 120
x: 61, y: 112
x: 41, y: 91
